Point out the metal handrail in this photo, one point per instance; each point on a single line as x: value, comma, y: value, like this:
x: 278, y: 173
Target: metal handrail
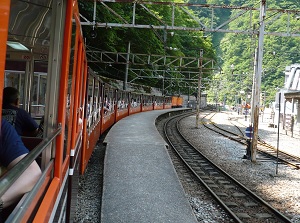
x: 20, y: 210
x: 16, y: 171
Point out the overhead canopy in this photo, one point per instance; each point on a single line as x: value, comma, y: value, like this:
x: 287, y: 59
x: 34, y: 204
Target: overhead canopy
x: 292, y: 95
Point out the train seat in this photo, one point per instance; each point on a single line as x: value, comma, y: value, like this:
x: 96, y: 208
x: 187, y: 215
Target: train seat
x: 31, y: 142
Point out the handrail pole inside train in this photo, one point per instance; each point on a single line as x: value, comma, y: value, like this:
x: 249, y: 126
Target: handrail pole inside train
x: 10, y: 177
x: 17, y: 170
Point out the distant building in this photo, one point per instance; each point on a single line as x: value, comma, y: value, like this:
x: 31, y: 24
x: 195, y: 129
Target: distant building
x: 289, y: 101
x: 191, y: 101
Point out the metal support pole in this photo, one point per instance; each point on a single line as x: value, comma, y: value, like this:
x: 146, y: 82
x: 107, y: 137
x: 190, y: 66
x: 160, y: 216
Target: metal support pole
x: 127, y: 67
x: 256, y: 95
x: 284, y: 116
x: 253, y: 85
x: 279, y: 95
x: 189, y: 91
x: 199, y: 89
x: 163, y: 83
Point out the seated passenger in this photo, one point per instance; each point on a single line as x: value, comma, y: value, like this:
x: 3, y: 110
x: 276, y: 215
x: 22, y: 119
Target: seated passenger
x: 119, y: 103
x: 106, y: 105
x: 12, y: 150
x: 18, y: 117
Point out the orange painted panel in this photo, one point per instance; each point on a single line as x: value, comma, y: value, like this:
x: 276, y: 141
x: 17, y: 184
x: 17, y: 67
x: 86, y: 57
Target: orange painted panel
x: 148, y: 108
x: 121, y: 114
x: 179, y: 101
x: 107, y: 121
x: 4, y: 18
x: 88, y: 149
x: 44, y: 212
x: 134, y: 110
x: 174, y: 101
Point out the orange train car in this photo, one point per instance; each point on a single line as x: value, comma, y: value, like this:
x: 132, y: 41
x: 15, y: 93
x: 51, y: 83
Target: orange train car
x: 177, y: 102
x: 44, y: 58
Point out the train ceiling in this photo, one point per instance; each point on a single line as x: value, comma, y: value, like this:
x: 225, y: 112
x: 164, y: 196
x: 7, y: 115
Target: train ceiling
x: 34, y: 30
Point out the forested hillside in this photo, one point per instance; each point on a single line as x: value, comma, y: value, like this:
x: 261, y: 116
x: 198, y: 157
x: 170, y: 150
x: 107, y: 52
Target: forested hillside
x: 238, y: 50
x: 233, y: 52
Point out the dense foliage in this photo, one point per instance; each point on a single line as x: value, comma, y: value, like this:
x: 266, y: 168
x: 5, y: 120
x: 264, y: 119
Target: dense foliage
x: 177, y: 43
x: 233, y: 52
x: 237, y: 53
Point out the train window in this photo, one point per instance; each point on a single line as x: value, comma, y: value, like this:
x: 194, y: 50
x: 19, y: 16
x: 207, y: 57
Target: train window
x: 96, y: 101
x: 135, y: 100
x: 106, y: 105
x: 100, y: 104
x: 90, y: 106
x: 138, y: 99
x: 125, y: 99
x: 16, y: 79
x: 111, y: 100
x: 89, y: 111
x: 108, y: 100
x: 149, y: 100
x: 158, y: 100
x: 38, y: 92
x: 81, y: 96
x: 119, y: 99
x: 122, y: 100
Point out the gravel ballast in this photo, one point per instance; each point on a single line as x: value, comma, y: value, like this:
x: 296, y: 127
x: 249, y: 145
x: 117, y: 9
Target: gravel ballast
x: 282, y: 190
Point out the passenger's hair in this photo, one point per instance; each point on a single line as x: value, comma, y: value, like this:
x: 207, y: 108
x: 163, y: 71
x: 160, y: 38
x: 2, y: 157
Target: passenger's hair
x: 10, y: 95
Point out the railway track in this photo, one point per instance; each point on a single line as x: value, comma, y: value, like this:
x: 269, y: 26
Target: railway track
x: 265, y: 151
x: 238, y: 201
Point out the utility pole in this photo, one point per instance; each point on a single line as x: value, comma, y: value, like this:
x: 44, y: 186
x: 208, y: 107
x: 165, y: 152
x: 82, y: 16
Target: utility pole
x: 127, y: 66
x: 189, y: 91
x: 199, y: 88
x: 257, y: 80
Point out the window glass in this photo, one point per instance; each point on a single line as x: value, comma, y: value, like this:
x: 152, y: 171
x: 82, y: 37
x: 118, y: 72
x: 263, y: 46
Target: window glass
x: 38, y: 92
x: 16, y: 79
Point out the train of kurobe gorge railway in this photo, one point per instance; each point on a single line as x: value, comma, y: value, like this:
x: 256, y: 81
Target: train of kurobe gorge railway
x: 43, y: 56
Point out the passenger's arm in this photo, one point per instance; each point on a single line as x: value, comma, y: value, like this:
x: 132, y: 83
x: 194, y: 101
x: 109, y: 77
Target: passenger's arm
x: 23, y: 184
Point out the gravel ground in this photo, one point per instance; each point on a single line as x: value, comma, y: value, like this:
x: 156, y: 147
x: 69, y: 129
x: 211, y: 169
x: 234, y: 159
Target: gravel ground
x: 90, y: 188
x: 281, y: 190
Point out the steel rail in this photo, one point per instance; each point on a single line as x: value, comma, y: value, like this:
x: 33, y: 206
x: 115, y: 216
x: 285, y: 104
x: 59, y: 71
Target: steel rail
x: 257, y: 198
x: 283, y: 156
x: 224, y: 206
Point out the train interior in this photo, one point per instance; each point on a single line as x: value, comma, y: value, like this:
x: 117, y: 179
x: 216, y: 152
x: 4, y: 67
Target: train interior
x: 28, y: 65
x: 28, y: 53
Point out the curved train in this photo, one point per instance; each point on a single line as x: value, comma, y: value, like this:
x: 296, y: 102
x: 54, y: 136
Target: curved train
x: 43, y: 56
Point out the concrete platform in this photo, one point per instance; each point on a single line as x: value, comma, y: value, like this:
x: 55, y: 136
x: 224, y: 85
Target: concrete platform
x: 140, y: 182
